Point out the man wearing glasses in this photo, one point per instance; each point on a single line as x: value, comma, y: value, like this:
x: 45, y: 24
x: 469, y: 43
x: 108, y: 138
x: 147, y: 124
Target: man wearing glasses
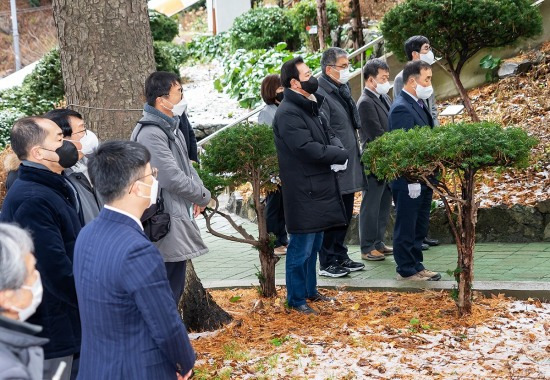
x: 343, y: 119
x: 130, y: 324
x: 184, y: 195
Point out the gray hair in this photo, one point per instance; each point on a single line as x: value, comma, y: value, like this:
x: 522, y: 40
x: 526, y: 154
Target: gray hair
x: 330, y: 56
x: 15, y: 242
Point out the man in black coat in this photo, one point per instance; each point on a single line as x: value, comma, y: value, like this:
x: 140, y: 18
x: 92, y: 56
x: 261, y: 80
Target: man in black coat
x: 42, y: 201
x: 306, y: 150
x: 343, y: 119
x: 413, y: 199
x: 374, y: 106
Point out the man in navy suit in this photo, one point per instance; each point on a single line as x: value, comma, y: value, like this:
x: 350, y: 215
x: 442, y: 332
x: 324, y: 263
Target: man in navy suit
x: 413, y: 199
x: 130, y: 324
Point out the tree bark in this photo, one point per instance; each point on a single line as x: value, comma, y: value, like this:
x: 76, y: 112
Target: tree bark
x: 322, y: 23
x: 267, y: 256
x: 466, y: 245
x: 197, y: 308
x: 106, y: 55
x: 464, y: 95
x: 357, y: 24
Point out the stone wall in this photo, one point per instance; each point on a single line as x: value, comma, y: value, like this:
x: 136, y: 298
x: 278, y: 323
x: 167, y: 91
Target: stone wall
x: 515, y: 224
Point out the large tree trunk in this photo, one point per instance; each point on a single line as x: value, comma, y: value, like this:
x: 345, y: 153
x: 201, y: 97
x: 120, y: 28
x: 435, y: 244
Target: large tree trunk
x: 464, y: 95
x: 197, y: 308
x: 322, y: 23
x: 106, y: 55
x: 466, y: 245
x: 357, y: 24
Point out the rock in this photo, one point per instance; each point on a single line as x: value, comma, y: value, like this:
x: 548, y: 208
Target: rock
x: 513, y: 68
x: 543, y: 206
x: 546, y: 236
x: 235, y: 203
x: 510, y: 224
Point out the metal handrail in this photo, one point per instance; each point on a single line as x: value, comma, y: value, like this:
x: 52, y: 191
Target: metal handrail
x: 353, y: 54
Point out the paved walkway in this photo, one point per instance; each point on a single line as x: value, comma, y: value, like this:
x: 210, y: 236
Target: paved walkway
x: 506, y: 266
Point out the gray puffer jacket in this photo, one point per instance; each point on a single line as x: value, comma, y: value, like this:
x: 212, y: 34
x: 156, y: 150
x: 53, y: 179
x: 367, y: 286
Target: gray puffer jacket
x: 180, y: 184
x: 21, y: 355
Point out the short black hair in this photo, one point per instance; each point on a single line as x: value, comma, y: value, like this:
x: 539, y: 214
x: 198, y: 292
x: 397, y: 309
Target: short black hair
x: 25, y: 134
x: 115, y: 165
x: 60, y: 116
x: 372, y: 67
x: 413, y: 69
x: 158, y: 84
x: 414, y: 43
x: 289, y: 71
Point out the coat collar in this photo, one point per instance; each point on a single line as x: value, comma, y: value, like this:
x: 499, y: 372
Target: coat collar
x: 152, y: 114
x: 421, y: 112
x: 117, y: 217
x: 301, y: 101
x: 46, y: 178
x: 20, y: 334
x: 376, y: 100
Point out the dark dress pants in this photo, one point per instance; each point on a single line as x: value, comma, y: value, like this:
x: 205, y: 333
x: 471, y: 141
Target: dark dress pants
x: 374, y: 214
x: 333, y: 250
x: 176, y: 277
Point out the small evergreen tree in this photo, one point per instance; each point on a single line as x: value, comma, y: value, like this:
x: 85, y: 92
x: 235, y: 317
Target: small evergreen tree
x: 460, y: 153
x: 458, y: 29
x: 244, y: 153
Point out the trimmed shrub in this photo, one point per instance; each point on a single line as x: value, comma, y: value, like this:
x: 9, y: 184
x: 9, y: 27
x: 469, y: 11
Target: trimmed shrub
x: 7, y: 118
x: 169, y: 56
x: 163, y: 28
x: 262, y: 28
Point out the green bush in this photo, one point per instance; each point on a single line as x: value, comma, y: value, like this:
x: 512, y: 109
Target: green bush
x: 7, y: 118
x: 304, y: 14
x: 169, y: 56
x: 262, y: 28
x: 163, y: 28
x: 41, y: 90
x: 207, y: 48
x: 245, y: 70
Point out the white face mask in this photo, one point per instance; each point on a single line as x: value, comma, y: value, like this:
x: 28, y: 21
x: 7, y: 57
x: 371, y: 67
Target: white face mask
x: 382, y: 88
x: 423, y: 92
x: 179, y: 108
x: 154, y: 192
x: 37, y: 291
x: 89, y: 142
x: 428, y: 57
x: 344, y: 76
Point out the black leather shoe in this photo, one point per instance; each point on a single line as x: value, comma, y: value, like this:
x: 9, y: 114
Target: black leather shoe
x: 431, y: 242
x: 321, y: 298
x: 304, y: 309
x: 425, y: 247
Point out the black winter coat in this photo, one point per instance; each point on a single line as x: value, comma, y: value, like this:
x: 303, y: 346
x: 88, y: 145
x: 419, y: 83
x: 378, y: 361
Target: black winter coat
x: 43, y: 202
x: 306, y: 148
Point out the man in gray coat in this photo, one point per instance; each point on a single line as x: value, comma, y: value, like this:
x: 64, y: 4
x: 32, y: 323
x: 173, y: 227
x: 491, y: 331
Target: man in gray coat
x: 185, y: 196
x: 343, y: 119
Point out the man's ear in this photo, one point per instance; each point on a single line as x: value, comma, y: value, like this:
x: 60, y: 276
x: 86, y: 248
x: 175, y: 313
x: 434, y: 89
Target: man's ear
x: 35, y: 152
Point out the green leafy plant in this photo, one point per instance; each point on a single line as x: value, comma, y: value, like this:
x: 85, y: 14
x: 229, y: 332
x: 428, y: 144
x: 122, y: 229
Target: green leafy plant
x: 41, y: 90
x: 7, y: 118
x: 244, y: 153
x: 169, y: 56
x: 207, y: 48
x: 491, y: 64
x: 244, y: 71
x: 458, y: 29
x: 304, y: 14
x: 163, y: 28
x: 463, y: 151
x: 262, y: 28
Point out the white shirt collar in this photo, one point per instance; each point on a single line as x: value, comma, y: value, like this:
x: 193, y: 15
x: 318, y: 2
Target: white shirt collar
x: 126, y: 214
x: 374, y: 92
x: 411, y: 95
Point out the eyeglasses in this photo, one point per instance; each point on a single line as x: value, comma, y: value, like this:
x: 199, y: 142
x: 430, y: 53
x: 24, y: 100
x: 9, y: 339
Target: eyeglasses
x: 79, y: 132
x: 154, y: 173
x: 343, y: 67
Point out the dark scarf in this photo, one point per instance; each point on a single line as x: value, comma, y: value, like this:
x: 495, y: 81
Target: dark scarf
x: 344, y: 92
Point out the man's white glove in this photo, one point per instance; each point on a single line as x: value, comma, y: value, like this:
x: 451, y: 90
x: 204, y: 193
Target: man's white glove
x: 338, y: 168
x: 414, y: 190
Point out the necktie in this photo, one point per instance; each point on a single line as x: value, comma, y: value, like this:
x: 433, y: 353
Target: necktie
x: 385, y: 103
x: 420, y: 103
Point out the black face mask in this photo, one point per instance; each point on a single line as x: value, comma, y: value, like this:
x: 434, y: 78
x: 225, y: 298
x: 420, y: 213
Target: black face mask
x: 310, y: 86
x: 279, y: 97
x: 68, y: 154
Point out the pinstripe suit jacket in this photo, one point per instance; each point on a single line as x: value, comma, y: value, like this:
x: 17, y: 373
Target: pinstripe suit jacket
x: 130, y: 325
